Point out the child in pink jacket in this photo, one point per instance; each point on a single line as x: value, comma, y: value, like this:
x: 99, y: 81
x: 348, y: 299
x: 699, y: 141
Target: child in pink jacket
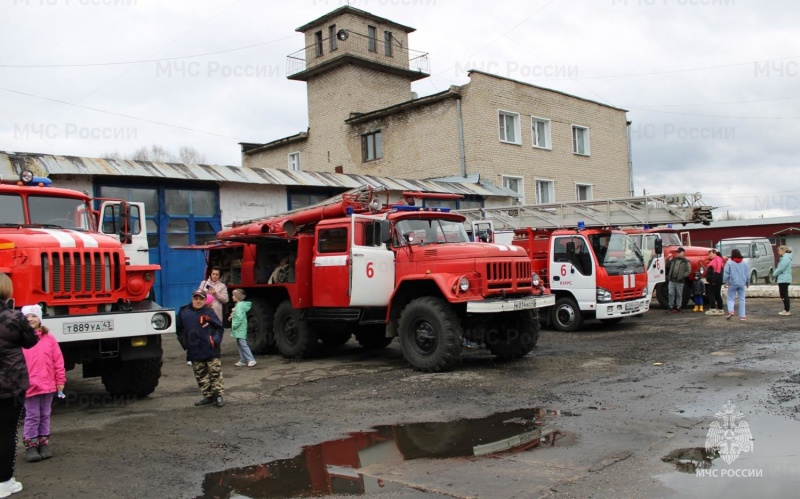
x: 47, y: 376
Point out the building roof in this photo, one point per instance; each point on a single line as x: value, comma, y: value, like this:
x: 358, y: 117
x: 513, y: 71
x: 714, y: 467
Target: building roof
x: 47, y: 164
x: 469, y: 72
x: 451, y: 93
x: 251, y: 148
x: 346, y: 9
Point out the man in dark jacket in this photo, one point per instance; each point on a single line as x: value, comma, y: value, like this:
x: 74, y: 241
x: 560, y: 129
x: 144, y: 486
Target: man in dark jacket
x: 200, y: 334
x: 678, y: 270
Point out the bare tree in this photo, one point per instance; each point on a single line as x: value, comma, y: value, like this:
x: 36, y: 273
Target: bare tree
x: 160, y: 154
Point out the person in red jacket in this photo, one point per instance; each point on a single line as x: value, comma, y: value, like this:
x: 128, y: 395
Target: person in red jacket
x: 47, y: 376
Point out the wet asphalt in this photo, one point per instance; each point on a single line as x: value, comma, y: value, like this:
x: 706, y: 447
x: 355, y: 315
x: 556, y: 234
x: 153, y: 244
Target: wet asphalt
x: 609, y: 411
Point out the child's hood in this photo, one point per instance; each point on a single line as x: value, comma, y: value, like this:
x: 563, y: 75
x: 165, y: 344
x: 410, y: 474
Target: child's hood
x: 245, y: 306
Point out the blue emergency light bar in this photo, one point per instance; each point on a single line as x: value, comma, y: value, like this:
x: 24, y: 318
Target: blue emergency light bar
x: 27, y: 178
x: 403, y: 207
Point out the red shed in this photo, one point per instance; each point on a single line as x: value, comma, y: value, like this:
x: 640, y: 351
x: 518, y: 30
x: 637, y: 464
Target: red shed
x: 779, y: 230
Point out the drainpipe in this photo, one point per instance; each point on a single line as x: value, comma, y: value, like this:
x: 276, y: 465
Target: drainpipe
x: 630, y: 155
x: 462, y: 155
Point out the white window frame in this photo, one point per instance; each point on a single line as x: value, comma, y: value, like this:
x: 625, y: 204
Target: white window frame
x: 502, y: 130
x: 551, y: 190
x: 548, y: 144
x: 578, y: 186
x: 586, y: 145
x: 293, y: 159
x: 520, y: 183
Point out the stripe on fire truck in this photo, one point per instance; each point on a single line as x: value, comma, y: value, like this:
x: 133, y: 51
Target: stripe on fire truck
x: 70, y: 238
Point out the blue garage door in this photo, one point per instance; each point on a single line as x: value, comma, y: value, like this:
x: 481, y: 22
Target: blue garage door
x: 176, y: 216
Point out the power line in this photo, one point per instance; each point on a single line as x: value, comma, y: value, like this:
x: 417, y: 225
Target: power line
x: 141, y: 61
x: 122, y: 115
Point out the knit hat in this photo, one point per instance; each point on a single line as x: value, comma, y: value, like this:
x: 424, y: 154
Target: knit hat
x: 239, y: 293
x: 32, y: 309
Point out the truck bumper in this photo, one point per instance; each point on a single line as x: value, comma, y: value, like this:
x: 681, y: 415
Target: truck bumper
x: 92, y: 327
x: 494, y: 305
x: 614, y: 310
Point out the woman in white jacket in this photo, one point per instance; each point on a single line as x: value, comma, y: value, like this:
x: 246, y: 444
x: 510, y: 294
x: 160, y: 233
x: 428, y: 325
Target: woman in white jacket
x: 736, y: 278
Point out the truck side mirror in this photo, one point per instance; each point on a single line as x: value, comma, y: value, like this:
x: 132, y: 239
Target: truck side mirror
x: 386, y: 231
x: 125, y: 236
x: 658, y: 246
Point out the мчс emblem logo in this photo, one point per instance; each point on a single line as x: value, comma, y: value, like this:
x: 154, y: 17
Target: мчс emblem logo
x: 730, y: 435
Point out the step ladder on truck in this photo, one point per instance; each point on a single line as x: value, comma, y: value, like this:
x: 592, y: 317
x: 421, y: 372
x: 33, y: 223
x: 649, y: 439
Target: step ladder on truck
x: 595, y: 269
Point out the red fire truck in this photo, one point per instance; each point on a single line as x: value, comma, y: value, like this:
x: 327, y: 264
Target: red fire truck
x: 94, y: 301
x: 357, y: 265
x: 595, y: 270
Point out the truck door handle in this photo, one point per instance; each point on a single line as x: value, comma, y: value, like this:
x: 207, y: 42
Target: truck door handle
x: 556, y: 278
x: 143, y: 250
x: 358, y: 254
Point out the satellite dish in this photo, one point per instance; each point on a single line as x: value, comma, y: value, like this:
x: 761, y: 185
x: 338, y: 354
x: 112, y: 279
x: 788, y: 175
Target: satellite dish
x: 342, y: 35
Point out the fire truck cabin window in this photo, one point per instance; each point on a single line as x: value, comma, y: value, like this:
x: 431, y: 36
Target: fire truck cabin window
x: 332, y: 240
x: 62, y: 212
x: 11, y: 211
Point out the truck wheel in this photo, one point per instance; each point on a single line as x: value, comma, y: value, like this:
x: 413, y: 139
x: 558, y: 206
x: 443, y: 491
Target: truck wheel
x: 753, y: 277
x: 335, y: 339
x: 293, y: 336
x: 769, y: 278
x: 430, y: 335
x: 132, y: 378
x: 373, y: 337
x: 261, y: 326
x: 518, y: 337
x: 662, y: 295
x: 566, y: 316
x: 688, y: 294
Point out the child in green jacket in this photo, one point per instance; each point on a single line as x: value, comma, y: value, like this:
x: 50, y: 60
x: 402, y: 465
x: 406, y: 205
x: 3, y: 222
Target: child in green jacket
x: 239, y: 329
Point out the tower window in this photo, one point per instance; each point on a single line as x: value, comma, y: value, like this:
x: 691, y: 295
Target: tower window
x: 372, y: 38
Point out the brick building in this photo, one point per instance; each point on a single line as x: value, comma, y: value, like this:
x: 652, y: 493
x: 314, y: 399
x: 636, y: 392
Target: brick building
x: 363, y: 119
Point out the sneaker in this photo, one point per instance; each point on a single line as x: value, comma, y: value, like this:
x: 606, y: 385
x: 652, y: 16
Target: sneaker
x: 742, y: 318
x: 711, y: 311
x: 219, y: 401
x: 240, y: 364
x: 730, y: 314
x: 470, y: 344
x: 188, y: 362
x: 784, y: 312
x: 204, y: 401
x: 251, y: 363
x: 10, y: 486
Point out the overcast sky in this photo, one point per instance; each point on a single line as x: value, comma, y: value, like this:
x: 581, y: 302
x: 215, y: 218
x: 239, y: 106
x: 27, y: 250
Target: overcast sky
x: 712, y: 86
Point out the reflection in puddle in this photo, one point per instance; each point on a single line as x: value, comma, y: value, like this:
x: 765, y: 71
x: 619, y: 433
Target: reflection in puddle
x: 332, y: 467
x: 689, y: 460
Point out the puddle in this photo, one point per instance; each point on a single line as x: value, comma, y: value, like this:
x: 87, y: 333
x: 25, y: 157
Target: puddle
x: 332, y: 467
x: 771, y: 468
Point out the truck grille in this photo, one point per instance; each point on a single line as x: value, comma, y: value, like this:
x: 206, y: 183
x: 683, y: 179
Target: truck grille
x: 508, y: 275
x: 627, y: 294
x: 80, y: 272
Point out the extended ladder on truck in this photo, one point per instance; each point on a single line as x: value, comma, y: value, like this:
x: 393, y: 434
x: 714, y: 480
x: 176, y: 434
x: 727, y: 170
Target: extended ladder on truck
x: 623, y: 212
x: 608, y: 282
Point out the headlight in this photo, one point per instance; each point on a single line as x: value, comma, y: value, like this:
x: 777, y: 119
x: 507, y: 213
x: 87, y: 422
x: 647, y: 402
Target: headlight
x: 463, y: 284
x: 536, y: 280
x: 603, y: 295
x: 644, y: 292
x: 160, y: 322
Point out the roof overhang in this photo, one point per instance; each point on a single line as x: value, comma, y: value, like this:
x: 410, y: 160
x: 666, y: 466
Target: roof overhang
x: 451, y: 93
x: 345, y: 59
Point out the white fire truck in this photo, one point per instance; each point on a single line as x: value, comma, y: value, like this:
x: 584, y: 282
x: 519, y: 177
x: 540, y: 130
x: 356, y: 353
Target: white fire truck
x: 84, y: 267
x: 595, y: 269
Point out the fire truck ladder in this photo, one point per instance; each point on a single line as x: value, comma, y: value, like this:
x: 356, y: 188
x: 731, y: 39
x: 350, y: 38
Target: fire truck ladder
x: 632, y: 211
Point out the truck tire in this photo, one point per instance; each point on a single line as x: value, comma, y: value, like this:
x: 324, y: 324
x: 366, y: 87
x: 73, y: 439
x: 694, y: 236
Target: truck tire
x: 430, y: 334
x: 373, y: 337
x: 132, y: 378
x: 753, y: 277
x: 688, y: 294
x: 261, y: 326
x: 566, y: 316
x: 520, y: 334
x: 334, y: 339
x: 769, y: 278
x: 293, y: 336
x: 662, y: 294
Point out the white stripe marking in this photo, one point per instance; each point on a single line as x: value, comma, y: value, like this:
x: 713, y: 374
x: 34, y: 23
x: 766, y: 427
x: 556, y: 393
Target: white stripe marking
x: 64, y: 240
x: 330, y: 261
x: 88, y: 240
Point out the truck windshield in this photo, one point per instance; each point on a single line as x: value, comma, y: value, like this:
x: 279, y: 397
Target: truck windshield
x: 670, y: 239
x: 430, y: 231
x: 11, y: 211
x: 617, y: 253
x: 67, y: 213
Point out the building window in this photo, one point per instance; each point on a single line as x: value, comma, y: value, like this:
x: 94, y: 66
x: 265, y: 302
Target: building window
x: 580, y: 140
x: 509, y: 127
x: 387, y: 42
x: 372, y: 38
x: 583, y: 192
x: 517, y: 185
x: 541, y: 132
x: 372, y: 146
x: 294, y: 161
x: 545, y: 192
x: 332, y: 37
x: 318, y: 43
